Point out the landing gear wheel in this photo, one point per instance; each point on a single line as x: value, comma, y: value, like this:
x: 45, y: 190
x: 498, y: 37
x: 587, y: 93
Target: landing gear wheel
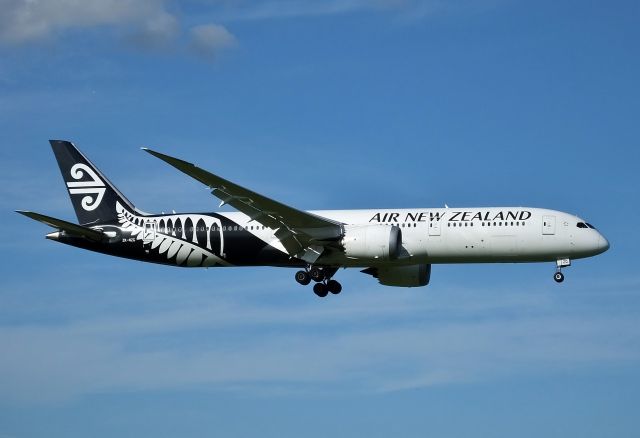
x: 334, y: 287
x: 320, y: 289
x: 303, y: 277
x: 558, y: 277
x: 316, y: 274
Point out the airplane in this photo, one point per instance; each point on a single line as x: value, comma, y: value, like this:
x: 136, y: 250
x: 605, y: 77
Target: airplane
x: 396, y: 246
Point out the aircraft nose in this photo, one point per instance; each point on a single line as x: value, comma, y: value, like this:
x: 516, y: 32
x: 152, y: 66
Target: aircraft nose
x: 603, y: 244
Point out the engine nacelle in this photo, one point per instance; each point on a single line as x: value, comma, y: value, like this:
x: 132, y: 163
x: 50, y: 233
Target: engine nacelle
x: 372, y: 242
x: 402, y: 276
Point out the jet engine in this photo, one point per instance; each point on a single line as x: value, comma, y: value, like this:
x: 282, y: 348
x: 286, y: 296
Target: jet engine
x: 372, y: 242
x: 402, y: 276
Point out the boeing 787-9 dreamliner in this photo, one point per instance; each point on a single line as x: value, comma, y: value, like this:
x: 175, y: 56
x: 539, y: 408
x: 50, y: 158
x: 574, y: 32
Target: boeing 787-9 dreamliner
x: 395, y: 246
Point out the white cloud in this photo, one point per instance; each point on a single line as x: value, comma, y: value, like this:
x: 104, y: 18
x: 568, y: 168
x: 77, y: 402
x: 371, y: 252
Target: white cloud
x: 155, y: 24
x: 279, y: 9
x: 157, y: 32
x: 30, y: 20
x: 146, y: 23
x: 209, y: 39
x: 286, y: 9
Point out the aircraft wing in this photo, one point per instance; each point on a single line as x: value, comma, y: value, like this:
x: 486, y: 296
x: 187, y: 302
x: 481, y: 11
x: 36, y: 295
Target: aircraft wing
x: 304, y: 235
x: 68, y: 227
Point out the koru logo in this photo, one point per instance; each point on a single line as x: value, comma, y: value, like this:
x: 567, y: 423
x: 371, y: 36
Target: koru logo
x: 94, y: 189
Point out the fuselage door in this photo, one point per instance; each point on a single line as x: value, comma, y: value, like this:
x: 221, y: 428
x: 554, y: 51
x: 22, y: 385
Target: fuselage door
x: 548, y: 225
x: 434, y: 227
x: 149, y: 233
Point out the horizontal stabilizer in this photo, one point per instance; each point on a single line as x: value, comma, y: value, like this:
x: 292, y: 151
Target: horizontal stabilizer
x: 68, y: 227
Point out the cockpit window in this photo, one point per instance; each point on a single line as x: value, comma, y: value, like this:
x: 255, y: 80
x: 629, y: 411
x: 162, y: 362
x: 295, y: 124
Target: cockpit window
x: 582, y: 225
x: 591, y: 226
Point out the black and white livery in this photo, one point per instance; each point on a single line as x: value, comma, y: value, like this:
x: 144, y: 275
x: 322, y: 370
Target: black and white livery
x: 397, y: 247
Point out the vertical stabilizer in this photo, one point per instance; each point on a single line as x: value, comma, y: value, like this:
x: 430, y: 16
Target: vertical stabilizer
x: 93, y: 196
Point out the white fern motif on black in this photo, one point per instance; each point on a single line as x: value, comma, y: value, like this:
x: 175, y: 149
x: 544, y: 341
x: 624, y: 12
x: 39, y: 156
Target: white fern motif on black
x: 172, y: 241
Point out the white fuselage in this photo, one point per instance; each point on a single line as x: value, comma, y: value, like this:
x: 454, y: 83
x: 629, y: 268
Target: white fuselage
x: 465, y: 235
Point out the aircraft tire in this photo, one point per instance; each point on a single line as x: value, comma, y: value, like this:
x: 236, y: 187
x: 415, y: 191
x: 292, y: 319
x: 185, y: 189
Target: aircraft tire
x: 320, y: 289
x: 334, y: 287
x: 303, y: 277
x: 558, y: 277
x: 316, y: 274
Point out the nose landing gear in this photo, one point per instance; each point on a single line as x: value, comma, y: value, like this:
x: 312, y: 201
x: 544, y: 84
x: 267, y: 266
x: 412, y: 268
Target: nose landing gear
x: 322, y: 276
x: 558, y: 277
x: 561, y: 263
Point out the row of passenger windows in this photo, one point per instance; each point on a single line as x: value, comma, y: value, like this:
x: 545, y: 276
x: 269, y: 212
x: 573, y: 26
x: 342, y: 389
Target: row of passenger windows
x: 486, y: 224
x: 408, y: 225
x: 468, y: 224
x: 214, y: 228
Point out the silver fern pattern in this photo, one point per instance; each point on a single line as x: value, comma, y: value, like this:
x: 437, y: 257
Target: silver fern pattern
x: 191, y: 245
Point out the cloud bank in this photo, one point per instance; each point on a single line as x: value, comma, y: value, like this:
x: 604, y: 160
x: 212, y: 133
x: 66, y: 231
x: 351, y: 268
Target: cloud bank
x: 146, y: 23
x: 163, y: 24
x: 366, y: 343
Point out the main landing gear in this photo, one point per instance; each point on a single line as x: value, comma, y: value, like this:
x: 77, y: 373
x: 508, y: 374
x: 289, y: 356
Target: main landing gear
x: 562, y: 263
x: 322, y: 276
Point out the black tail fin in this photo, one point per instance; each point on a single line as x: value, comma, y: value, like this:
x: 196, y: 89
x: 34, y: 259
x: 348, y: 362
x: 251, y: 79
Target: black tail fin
x: 93, y: 196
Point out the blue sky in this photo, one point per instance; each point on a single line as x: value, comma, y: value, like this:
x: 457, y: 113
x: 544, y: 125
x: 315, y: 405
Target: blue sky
x: 321, y: 104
